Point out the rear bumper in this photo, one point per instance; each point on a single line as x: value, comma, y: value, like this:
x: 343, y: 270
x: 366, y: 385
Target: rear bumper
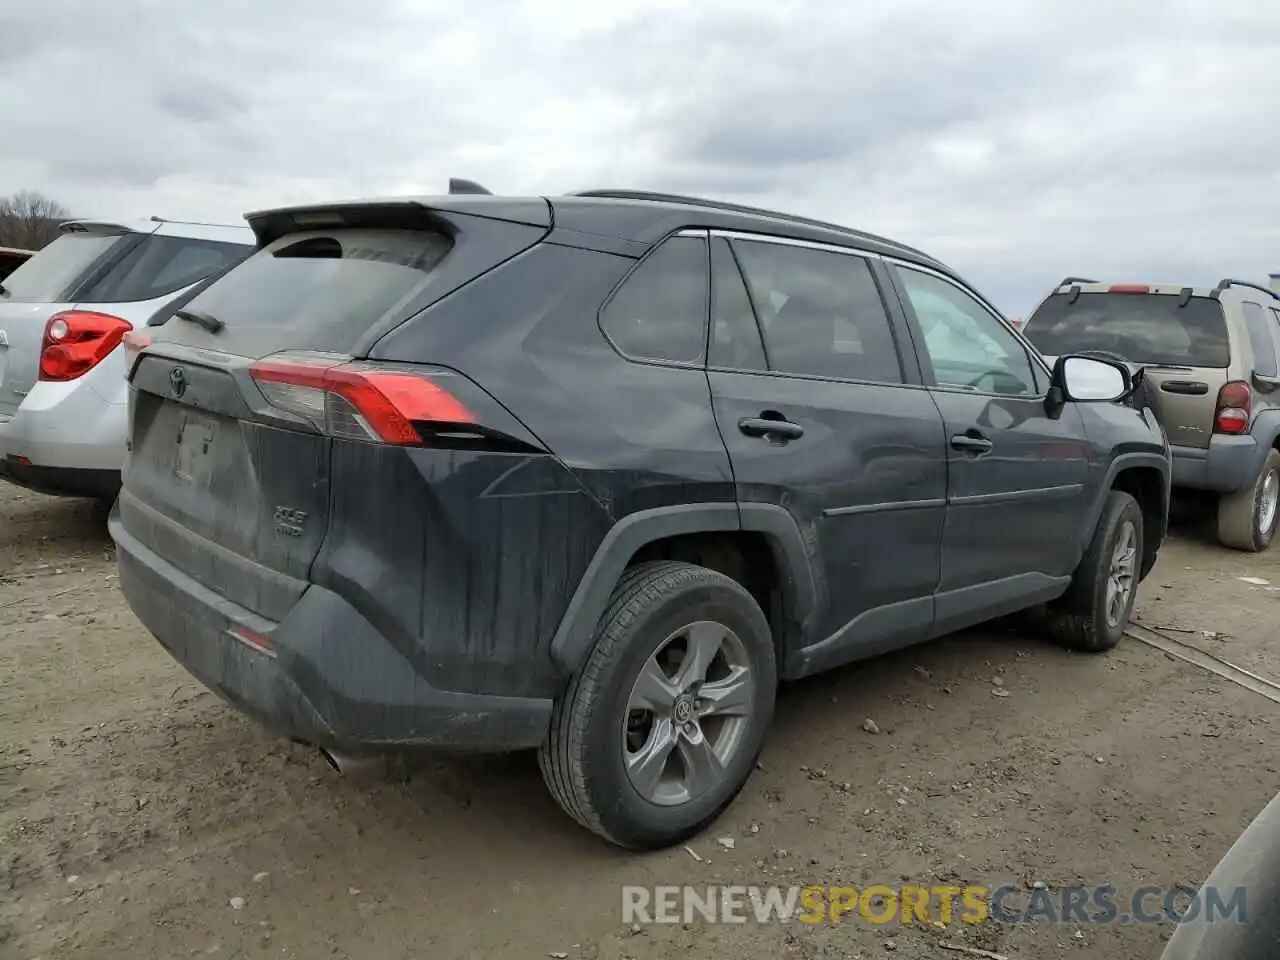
x: 68, y: 427
x: 1227, y: 465
x: 62, y: 481
x: 334, y: 681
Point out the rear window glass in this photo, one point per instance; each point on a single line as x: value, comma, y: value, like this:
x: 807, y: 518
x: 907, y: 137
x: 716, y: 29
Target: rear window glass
x: 159, y: 266
x: 1142, y: 328
x: 319, y: 290
x: 53, y: 274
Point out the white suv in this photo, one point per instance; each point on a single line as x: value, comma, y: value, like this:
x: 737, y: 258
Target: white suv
x: 63, y: 315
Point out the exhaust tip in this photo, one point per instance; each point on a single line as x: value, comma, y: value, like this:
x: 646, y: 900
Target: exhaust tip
x: 359, y: 769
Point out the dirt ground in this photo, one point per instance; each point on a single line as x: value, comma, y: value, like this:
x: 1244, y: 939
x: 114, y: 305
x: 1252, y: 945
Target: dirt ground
x: 134, y: 806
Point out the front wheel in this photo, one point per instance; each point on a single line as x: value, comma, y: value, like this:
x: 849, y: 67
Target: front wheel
x: 660, y: 729
x: 1247, y: 519
x: 1093, y: 613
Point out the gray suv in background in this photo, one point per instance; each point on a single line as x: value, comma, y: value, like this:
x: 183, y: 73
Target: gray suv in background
x: 1211, y: 357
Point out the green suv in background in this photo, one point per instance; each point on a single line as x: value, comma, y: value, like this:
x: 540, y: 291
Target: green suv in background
x: 1212, y: 370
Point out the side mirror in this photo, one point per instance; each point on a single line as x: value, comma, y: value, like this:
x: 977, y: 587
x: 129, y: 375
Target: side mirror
x: 1090, y: 380
x: 1266, y: 384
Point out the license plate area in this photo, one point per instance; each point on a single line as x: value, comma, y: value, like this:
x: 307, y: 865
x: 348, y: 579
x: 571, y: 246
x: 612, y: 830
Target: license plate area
x: 195, y: 441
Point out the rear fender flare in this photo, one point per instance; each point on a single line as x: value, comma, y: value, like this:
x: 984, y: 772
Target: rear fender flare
x: 573, y: 639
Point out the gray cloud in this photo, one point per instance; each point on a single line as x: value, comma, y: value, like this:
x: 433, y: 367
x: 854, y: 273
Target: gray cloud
x: 1020, y: 140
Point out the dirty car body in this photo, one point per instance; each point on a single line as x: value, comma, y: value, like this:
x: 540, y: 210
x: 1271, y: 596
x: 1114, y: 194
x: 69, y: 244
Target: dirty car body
x: 425, y: 449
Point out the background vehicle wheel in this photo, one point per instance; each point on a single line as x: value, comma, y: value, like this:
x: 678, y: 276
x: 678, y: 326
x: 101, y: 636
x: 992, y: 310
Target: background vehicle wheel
x: 1093, y: 613
x: 1247, y: 519
x: 661, y: 727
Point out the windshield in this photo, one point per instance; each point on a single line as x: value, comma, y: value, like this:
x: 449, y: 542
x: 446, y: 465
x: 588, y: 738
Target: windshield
x: 1142, y: 328
x: 319, y: 290
x: 52, y: 275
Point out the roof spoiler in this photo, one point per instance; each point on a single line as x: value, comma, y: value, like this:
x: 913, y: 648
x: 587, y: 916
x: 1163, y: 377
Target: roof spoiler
x: 92, y: 226
x: 459, y: 185
x: 1067, y: 280
x: 1228, y: 282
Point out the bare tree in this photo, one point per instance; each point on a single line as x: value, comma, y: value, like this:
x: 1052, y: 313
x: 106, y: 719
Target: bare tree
x: 29, y: 220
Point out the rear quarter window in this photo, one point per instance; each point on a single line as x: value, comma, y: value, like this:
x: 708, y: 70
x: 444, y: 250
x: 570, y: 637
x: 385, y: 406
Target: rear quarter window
x: 1142, y: 328
x: 159, y: 266
x: 318, y: 290
x: 660, y: 311
x: 54, y: 273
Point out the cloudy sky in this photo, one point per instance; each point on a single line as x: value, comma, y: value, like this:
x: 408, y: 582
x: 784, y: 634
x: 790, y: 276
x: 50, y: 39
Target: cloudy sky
x: 1020, y: 140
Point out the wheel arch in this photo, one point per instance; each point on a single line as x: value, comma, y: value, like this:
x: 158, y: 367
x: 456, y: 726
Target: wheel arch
x: 1146, y: 478
x: 643, y: 533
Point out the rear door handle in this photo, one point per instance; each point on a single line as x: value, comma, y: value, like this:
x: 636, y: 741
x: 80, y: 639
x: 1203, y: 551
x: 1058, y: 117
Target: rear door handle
x: 971, y: 444
x: 764, y: 427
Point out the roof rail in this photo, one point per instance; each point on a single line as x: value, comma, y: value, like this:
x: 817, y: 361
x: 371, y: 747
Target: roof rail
x: 459, y: 185
x: 1066, y: 280
x: 1228, y: 282
x: 656, y: 197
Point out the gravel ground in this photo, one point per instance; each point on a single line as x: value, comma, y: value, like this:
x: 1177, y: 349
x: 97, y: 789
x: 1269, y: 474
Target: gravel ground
x: 140, y: 817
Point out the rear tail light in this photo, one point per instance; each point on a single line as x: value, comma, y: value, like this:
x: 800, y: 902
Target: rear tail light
x: 76, y: 341
x: 1235, y: 408
x: 357, y: 400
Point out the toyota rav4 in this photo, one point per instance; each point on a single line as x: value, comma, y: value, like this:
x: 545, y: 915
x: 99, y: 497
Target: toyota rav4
x: 591, y: 474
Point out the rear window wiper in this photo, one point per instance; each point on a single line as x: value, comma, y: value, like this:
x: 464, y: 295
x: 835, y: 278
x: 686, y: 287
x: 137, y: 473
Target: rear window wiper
x: 200, y: 318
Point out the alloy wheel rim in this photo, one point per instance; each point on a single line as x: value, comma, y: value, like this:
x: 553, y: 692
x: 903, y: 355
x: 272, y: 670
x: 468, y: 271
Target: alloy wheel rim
x: 688, y: 713
x: 1268, y: 502
x: 1121, y: 575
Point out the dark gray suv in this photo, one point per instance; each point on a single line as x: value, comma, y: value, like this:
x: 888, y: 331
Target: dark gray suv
x: 591, y: 474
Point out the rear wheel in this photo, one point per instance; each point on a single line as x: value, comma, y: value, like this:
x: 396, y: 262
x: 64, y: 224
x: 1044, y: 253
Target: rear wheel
x: 662, y: 726
x: 1095, y: 610
x: 1247, y: 519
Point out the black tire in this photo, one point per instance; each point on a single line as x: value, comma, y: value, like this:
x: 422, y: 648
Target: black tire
x: 582, y: 759
x: 1079, y: 618
x: 1240, y: 522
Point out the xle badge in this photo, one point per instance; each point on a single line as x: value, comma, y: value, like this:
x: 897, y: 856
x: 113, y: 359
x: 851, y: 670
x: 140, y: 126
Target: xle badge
x: 290, y: 522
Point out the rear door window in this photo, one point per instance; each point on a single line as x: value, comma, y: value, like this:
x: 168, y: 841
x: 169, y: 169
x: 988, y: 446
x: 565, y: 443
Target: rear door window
x: 1141, y: 327
x: 821, y: 312
x: 159, y: 266
x: 318, y: 290
x: 660, y: 311
x: 54, y: 273
x: 1261, y: 343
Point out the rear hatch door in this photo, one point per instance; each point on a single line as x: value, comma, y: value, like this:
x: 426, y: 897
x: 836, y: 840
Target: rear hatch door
x: 228, y: 475
x: 1180, y: 340
x: 46, y: 284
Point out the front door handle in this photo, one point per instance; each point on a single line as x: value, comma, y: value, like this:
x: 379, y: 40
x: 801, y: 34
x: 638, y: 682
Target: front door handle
x: 971, y: 443
x: 773, y: 429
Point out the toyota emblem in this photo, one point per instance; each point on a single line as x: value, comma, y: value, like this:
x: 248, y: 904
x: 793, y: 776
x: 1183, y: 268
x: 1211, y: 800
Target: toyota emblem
x: 178, y: 381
